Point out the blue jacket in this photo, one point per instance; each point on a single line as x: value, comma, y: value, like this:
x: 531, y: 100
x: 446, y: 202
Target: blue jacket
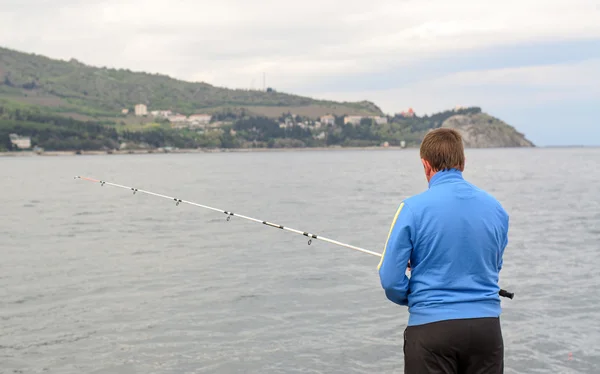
x: 454, y: 235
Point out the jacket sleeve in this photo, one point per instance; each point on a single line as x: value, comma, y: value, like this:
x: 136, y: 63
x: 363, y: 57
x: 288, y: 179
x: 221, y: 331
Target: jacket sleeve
x: 396, y: 255
x: 504, y: 244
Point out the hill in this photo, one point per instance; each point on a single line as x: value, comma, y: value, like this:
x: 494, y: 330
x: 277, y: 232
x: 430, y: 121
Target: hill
x: 86, y: 92
x: 69, y: 106
x: 480, y: 130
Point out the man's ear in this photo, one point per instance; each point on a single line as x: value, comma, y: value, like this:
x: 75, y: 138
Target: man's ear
x: 426, y: 165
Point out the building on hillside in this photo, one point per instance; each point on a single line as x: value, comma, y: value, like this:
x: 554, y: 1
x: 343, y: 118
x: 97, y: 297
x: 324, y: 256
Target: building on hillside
x: 177, y: 118
x: 409, y: 113
x: 328, y: 120
x: 21, y: 142
x: 178, y: 121
x: 200, y: 118
x: 355, y: 120
x: 380, y: 120
x: 161, y: 113
x: 141, y: 110
x: 125, y: 111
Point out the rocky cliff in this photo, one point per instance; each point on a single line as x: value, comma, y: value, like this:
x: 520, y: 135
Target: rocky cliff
x: 483, y: 131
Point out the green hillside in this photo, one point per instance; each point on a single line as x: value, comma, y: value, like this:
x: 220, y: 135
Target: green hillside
x: 68, y: 106
x: 71, y: 87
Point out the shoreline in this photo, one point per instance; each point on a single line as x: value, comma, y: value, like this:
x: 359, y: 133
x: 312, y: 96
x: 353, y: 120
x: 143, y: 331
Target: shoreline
x: 234, y: 150
x: 191, y: 150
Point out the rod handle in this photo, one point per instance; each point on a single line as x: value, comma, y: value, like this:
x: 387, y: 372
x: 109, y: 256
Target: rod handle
x: 505, y: 293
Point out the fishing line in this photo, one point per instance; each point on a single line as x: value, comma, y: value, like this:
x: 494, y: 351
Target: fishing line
x: 178, y: 201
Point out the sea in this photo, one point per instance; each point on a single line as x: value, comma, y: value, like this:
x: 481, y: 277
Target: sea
x: 96, y: 279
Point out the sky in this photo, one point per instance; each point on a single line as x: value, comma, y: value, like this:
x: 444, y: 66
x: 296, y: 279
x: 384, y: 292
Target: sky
x: 534, y: 64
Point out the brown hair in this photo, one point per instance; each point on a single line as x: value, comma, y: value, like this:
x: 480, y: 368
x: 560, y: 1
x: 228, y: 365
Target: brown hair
x: 443, y: 149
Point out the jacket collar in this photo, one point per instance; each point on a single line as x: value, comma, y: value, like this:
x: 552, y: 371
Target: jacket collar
x: 444, y: 176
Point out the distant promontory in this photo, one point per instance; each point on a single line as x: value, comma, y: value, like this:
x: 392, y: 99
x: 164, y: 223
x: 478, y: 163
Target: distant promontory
x: 480, y: 130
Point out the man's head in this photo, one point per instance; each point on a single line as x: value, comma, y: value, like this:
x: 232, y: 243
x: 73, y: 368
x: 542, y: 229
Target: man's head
x: 442, y: 149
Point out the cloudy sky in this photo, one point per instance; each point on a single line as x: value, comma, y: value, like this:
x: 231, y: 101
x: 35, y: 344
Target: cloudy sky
x: 534, y: 64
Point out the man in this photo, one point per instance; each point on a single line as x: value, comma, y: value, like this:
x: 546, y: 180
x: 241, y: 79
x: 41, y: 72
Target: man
x: 451, y: 238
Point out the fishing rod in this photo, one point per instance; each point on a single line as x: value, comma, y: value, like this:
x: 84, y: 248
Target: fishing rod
x: 177, y: 201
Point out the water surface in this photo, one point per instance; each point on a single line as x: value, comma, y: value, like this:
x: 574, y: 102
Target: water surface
x: 98, y: 280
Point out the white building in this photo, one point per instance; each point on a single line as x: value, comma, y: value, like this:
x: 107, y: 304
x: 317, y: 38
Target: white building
x: 141, y: 110
x: 355, y: 120
x: 380, y: 120
x: 200, y: 118
x: 328, y: 120
x: 21, y: 142
x: 161, y: 113
x: 178, y: 118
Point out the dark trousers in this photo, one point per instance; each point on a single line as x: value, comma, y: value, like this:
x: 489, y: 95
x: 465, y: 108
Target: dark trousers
x: 462, y: 346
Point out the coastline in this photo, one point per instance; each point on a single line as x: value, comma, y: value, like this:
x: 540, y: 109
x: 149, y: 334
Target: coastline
x: 234, y: 150
x: 190, y: 150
